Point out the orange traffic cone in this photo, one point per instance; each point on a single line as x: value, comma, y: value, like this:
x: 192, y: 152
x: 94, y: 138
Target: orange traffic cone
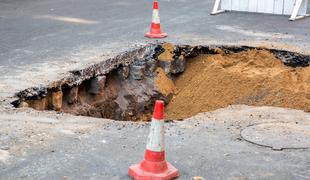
x: 154, y: 166
x: 155, y: 31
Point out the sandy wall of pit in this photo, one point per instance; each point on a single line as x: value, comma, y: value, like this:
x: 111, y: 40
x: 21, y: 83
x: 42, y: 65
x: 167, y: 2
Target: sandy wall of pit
x: 252, y: 77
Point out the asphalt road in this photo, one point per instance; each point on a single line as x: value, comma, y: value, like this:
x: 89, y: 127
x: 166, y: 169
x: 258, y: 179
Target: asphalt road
x: 59, y: 146
x: 42, y: 40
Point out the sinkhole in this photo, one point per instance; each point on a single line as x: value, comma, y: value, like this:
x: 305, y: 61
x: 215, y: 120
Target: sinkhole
x: 189, y: 79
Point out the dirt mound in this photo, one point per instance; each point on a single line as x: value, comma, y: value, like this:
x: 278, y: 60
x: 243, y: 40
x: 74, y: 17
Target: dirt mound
x: 254, y: 77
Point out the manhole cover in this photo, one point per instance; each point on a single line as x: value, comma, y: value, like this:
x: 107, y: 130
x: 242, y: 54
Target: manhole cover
x: 278, y: 136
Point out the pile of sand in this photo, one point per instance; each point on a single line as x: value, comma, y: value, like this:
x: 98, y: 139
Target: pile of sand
x: 252, y: 78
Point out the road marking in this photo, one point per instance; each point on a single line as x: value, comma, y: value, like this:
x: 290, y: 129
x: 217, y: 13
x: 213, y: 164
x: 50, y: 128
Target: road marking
x: 66, y: 19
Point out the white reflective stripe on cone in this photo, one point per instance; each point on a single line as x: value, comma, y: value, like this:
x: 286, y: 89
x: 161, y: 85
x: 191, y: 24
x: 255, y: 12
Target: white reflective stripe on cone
x: 155, y: 18
x: 156, y: 141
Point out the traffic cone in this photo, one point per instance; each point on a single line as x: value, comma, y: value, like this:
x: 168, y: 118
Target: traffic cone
x: 154, y: 166
x: 155, y: 31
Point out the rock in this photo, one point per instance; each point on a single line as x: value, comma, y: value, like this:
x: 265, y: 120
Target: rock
x: 57, y: 100
x: 102, y: 81
x: 166, y: 65
x: 174, y: 66
x: 165, y: 59
x: 178, y: 65
x: 73, y: 95
x: 40, y: 104
x: 23, y: 105
x: 124, y: 72
x: 151, y: 66
x: 94, y: 86
x: 168, y: 54
x: 97, y: 84
x: 137, y: 72
x: 170, y: 62
x: 197, y: 178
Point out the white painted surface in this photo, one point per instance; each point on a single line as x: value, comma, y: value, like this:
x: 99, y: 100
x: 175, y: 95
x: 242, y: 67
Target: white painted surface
x: 282, y: 7
x: 278, y: 7
x: 243, y: 5
x: 235, y: 5
x: 155, y: 17
x: 298, y: 11
x: 253, y: 5
x: 288, y: 6
x: 156, y: 140
x: 269, y: 6
x: 303, y: 9
x: 226, y: 4
x: 216, y: 6
x: 261, y: 6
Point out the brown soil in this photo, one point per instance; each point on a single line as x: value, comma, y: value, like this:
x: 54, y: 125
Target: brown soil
x: 167, y: 55
x: 252, y: 78
x: 164, y: 84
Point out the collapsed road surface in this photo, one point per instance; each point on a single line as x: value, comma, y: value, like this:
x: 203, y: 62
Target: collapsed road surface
x: 190, y: 79
x: 217, y: 144
x: 43, y: 40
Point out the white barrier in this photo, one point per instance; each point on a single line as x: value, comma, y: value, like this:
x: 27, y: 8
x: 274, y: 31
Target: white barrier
x: 297, y: 9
